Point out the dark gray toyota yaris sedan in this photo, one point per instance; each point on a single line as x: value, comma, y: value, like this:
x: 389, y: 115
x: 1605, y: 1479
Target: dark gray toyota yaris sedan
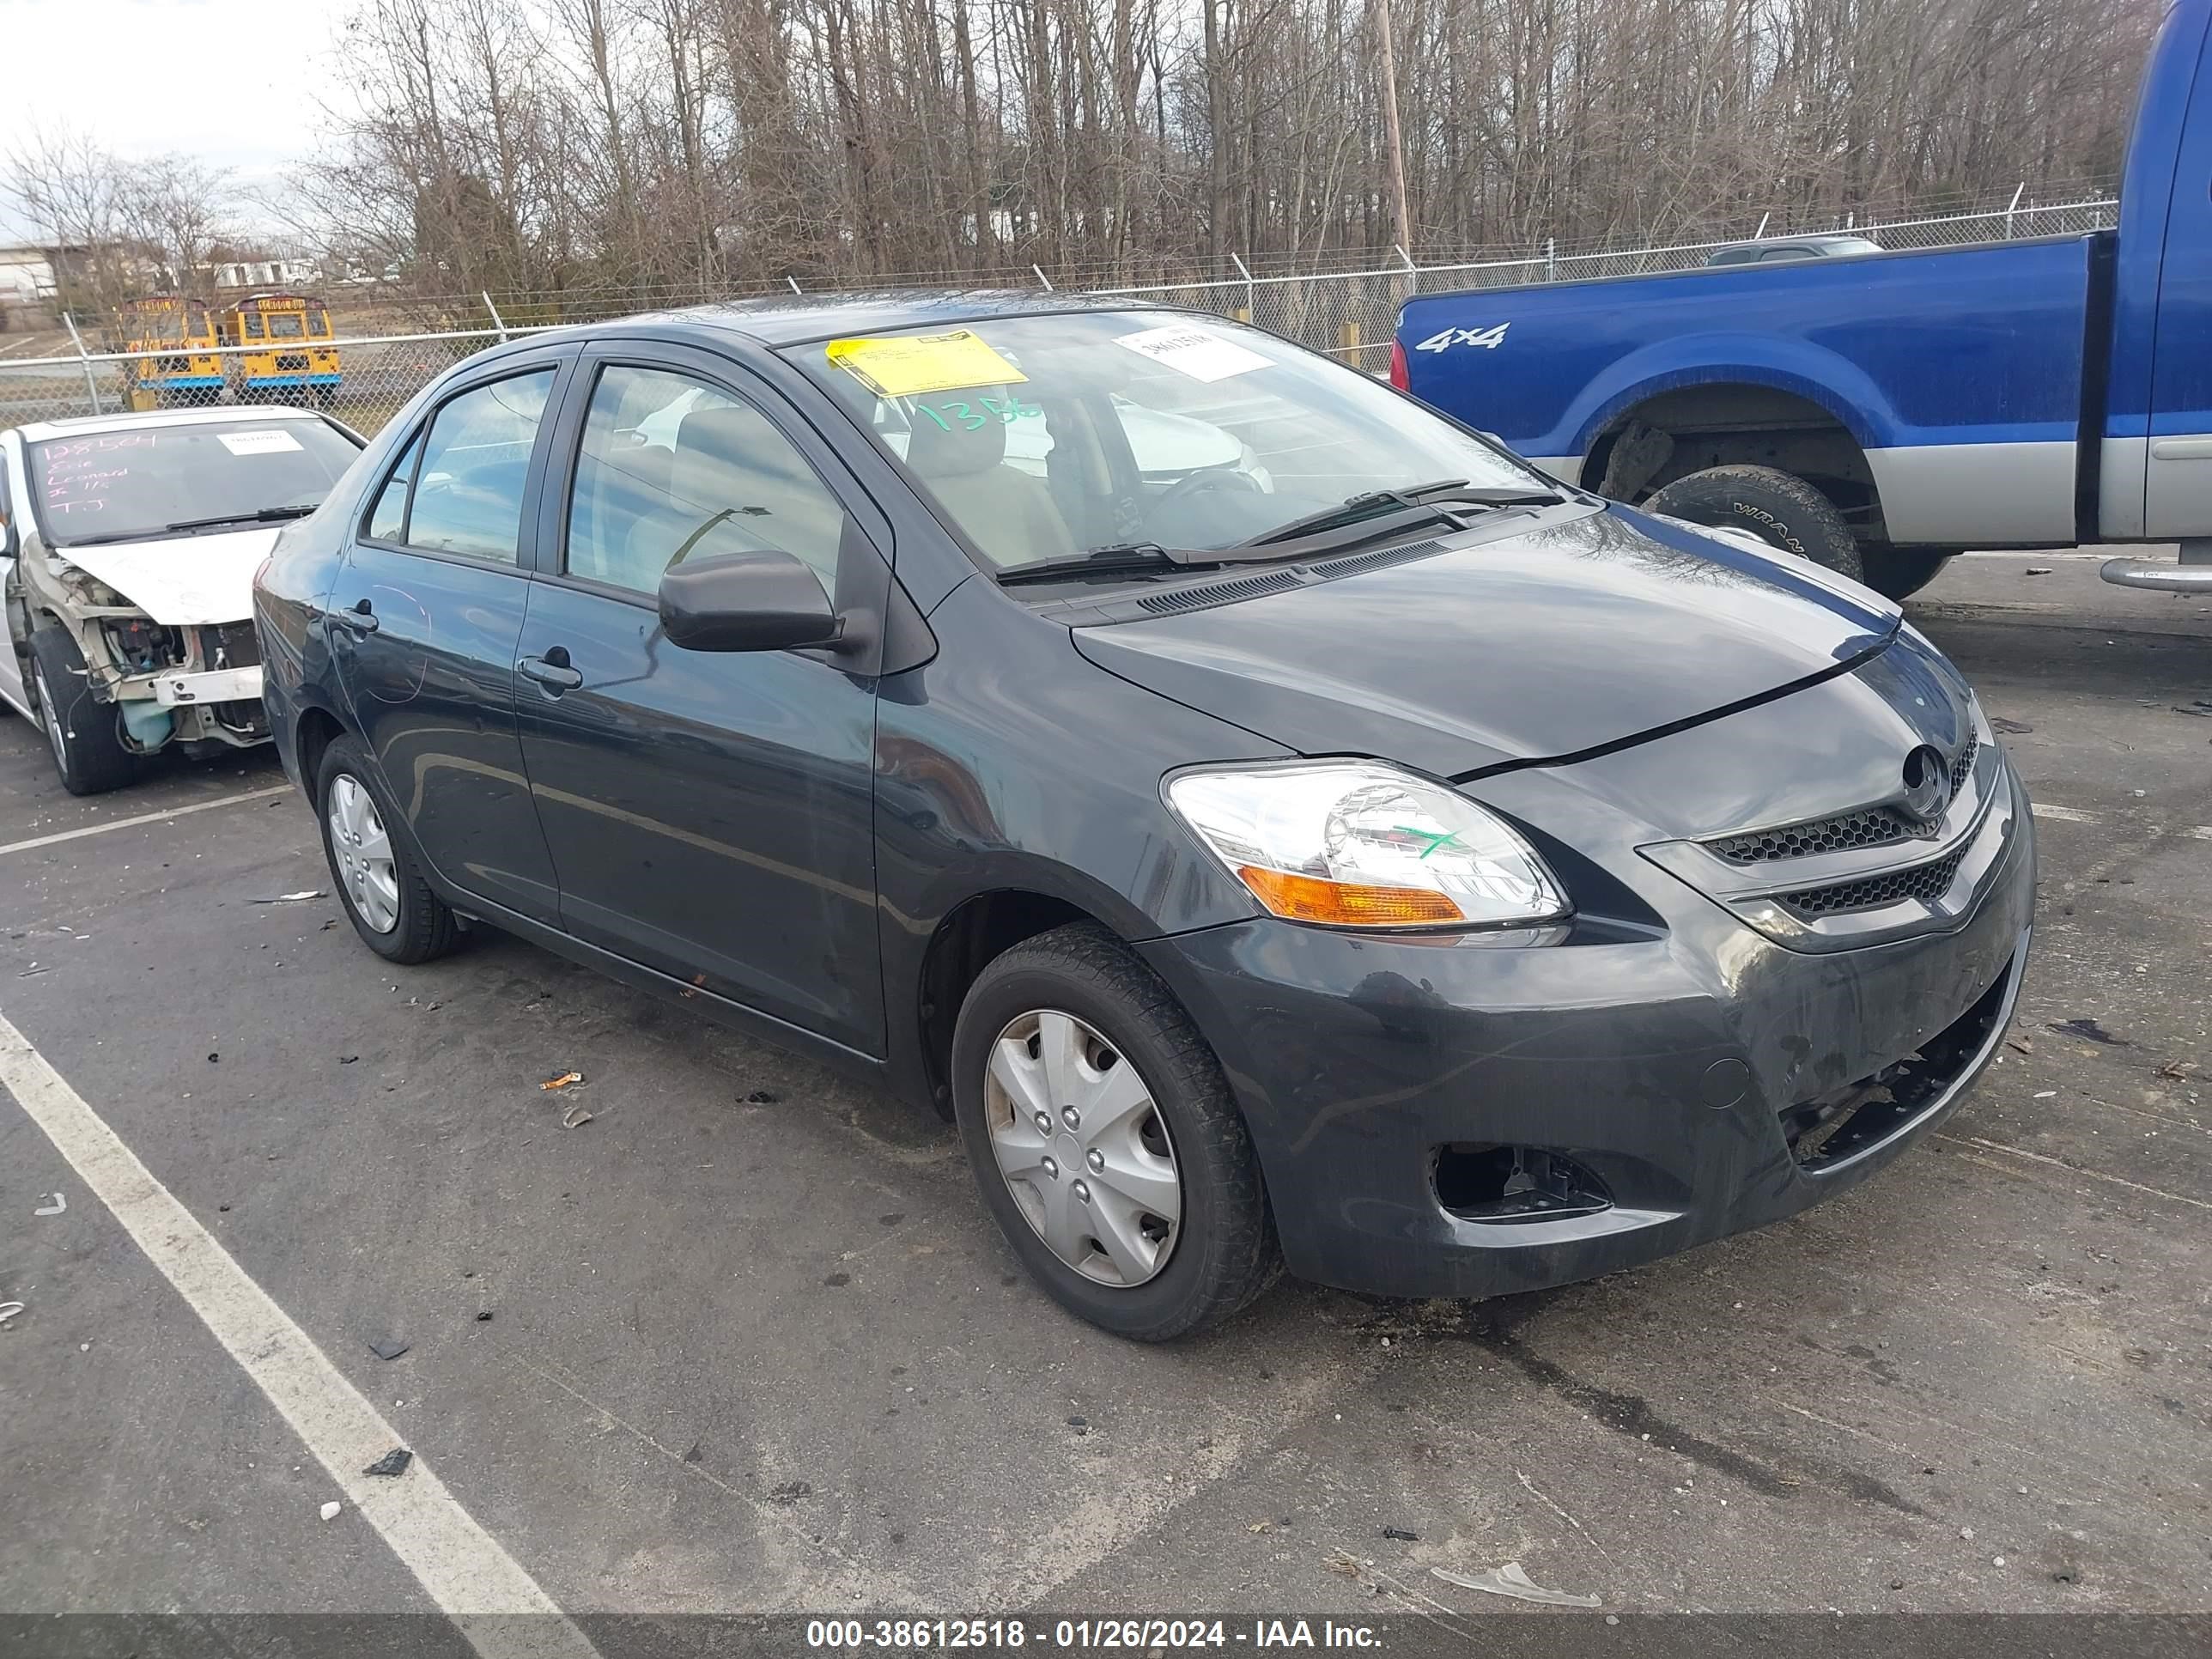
x: 1277, y: 824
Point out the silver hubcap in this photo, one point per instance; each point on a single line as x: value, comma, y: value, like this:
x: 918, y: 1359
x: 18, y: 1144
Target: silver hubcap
x: 53, y: 720
x: 363, y: 853
x: 1084, y: 1152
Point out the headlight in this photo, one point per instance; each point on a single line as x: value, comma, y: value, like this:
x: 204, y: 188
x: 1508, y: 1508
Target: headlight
x: 1359, y: 844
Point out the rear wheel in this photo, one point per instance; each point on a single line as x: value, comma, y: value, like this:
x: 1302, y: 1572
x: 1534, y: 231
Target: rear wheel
x: 83, y: 732
x: 1104, y: 1139
x: 379, y: 880
x: 1781, y: 510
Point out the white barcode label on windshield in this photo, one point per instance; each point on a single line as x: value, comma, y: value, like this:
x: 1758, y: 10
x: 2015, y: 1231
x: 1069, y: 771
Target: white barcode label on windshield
x: 269, y: 442
x: 1194, y: 352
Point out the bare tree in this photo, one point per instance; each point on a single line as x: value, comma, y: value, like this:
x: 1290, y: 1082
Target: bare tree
x: 554, y: 149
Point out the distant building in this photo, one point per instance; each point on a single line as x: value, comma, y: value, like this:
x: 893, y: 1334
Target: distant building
x: 266, y: 273
x: 26, y: 274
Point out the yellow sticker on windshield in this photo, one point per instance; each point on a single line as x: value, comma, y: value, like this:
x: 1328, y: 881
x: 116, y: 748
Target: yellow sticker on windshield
x: 903, y: 366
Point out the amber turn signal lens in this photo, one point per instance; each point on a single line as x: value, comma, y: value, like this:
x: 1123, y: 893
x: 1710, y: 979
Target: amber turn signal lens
x: 1341, y: 904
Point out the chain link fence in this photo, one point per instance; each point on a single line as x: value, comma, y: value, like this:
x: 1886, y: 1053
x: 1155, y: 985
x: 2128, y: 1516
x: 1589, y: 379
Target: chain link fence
x: 1350, y: 315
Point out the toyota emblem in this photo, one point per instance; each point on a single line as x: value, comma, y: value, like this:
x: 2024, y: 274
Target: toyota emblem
x: 1927, y: 785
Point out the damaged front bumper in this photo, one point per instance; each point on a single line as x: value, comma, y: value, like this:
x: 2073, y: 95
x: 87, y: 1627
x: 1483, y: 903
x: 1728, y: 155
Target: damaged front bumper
x: 178, y: 685
x: 1478, y: 1115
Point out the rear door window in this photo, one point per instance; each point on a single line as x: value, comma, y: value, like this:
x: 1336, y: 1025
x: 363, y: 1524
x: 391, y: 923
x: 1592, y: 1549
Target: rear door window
x: 475, y: 461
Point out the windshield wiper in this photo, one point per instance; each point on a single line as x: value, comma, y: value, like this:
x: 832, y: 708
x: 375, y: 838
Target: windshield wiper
x: 1124, y: 558
x: 265, y: 515
x: 1424, y: 503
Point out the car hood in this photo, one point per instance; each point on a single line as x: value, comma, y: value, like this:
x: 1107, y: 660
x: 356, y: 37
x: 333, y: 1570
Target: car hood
x: 1582, y: 634
x: 181, y: 581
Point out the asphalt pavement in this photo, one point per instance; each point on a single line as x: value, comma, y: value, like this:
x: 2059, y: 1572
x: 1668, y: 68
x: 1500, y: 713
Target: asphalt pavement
x: 745, y: 1340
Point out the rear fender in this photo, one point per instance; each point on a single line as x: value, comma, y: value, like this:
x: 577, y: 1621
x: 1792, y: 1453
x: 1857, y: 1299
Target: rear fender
x: 1819, y: 377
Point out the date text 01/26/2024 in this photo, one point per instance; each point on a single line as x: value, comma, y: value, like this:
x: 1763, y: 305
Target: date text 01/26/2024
x: 1137, y: 1635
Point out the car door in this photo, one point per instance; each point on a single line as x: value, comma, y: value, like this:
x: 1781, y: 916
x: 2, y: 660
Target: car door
x: 14, y: 488
x: 423, y: 620
x: 710, y: 814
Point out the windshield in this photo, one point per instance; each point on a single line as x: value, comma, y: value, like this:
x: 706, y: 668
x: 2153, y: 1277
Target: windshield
x: 126, y: 486
x: 1048, y: 437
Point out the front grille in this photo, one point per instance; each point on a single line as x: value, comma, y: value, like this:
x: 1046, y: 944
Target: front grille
x: 1963, y: 767
x: 1875, y: 826
x: 1924, y: 882
x: 1878, y: 826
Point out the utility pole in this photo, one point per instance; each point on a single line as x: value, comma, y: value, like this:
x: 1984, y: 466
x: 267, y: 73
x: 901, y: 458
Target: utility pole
x: 1393, y: 141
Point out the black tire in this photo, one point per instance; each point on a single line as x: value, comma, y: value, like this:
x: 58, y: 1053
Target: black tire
x: 1900, y: 572
x: 425, y: 928
x: 1783, y: 511
x: 83, y: 734
x: 1226, y: 1252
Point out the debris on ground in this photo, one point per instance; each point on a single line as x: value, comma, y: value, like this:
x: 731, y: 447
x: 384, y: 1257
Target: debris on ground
x: 2046, y: 1094
x: 483, y: 1316
x: 2037, y: 570
x: 1343, y: 1561
x: 8, y: 1310
x: 2202, y: 708
x: 576, y: 1116
x: 330, y: 1511
x: 565, y: 1080
x: 394, y: 1462
x: 34, y: 972
x: 2085, y: 1027
x: 1402, y: 1535
x: 2177, y: 1069
x: 790, y: 1491
x: 61, y: 1201
x: 762, y: 1097
x: 2021, y: 1043
x: 289, y: 898
x: 2011, y: 728
x: 388, y: 1347
x: 1079, y: 1422
x: 1260, y: 1527
x: 1510, y: 1580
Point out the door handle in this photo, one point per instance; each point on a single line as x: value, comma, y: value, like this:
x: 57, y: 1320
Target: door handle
x: 357, y: 617
x: 552, y: 671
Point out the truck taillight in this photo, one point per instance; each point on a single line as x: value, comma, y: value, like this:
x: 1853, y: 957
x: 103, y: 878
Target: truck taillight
x: 1397, y: 365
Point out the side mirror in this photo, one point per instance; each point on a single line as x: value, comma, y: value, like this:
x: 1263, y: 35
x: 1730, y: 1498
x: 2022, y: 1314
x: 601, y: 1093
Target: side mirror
x: 764, y: 601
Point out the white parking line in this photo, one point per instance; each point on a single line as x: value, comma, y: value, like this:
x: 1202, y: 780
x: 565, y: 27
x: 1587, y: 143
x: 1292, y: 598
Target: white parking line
x: 461, y: 1566
x: 2064, y: 815
x: 78, y: 834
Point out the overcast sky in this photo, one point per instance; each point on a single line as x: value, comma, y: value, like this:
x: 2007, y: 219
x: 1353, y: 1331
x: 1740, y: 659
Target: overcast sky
x: 234, y: 82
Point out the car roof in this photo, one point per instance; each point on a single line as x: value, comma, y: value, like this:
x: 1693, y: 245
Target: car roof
x: 79, y: 426
x: 798, y: 318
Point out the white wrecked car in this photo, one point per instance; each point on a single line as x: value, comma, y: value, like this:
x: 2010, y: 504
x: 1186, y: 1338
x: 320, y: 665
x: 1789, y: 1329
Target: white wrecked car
x: 128, y: 545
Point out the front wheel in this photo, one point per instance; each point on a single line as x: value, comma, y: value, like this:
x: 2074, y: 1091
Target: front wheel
x: 81, y: 731
x: 1781, y: 510
x: 1104, y: 1139
x: 379, y: 880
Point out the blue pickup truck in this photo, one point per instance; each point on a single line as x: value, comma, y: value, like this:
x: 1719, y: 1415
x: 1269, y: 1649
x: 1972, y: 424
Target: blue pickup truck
x: 1880, y: 414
